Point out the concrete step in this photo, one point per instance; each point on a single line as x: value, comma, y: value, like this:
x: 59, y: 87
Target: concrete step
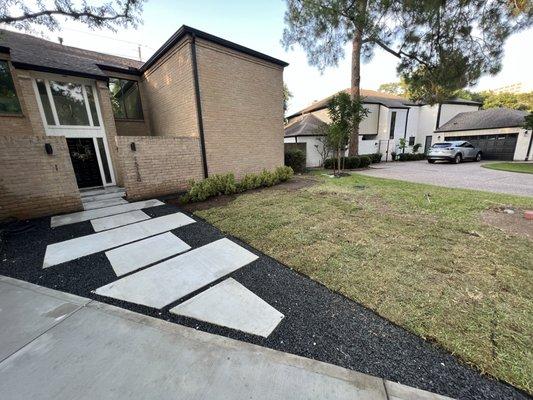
x: 105, y: 190
x: 103, y: 196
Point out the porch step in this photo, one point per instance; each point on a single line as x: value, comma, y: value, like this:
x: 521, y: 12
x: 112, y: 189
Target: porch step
x: 100, y: 191
x: 103, y: 196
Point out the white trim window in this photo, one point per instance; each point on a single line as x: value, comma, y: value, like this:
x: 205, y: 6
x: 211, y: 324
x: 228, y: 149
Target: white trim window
x: 69, y: 107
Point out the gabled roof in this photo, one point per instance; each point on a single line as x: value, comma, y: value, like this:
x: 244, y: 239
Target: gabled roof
x: 485, y: 119
x: 369, y: 97
x: 305, y: 126
x: 30, y: 52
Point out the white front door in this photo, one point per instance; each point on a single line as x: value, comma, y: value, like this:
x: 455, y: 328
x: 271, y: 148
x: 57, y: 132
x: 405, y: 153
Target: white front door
x: 69, y: 107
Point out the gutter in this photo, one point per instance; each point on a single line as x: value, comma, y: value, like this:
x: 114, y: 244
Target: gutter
x: 198, y: 105
x: 58, y: 71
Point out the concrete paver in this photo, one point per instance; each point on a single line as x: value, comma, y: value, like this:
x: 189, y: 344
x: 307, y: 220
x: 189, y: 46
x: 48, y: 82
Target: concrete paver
x: 136, y: 255
x: 232, y: 305
x: 104, y: 352
x: 80, y: 216
x: 91, y: 205
x: 468, y: 175
x: 72, y: 249
x: 114, y: 221
x: 166, y: 282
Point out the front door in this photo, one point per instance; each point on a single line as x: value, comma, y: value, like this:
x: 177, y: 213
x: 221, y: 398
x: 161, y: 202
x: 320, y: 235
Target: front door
x: 69, y: 107
x: 427, y: 145
x: 85, y: 162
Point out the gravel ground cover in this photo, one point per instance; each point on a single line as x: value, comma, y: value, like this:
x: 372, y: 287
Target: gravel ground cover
x: 318, y: 323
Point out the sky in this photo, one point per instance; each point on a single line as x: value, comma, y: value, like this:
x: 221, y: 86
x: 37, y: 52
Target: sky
x: 259, y: 24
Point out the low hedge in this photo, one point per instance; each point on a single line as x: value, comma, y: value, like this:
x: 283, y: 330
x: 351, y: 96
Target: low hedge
x: 217, y: 185
x: 353, y: 162
x: 411, y: 156
x: 296, y: 160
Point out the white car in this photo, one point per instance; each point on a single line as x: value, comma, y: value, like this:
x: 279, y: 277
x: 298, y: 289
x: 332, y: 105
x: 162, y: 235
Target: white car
x: 454, y: 151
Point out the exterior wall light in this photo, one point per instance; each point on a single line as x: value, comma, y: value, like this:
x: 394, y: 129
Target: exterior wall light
x: 49, y: 149
x: 132, y: 146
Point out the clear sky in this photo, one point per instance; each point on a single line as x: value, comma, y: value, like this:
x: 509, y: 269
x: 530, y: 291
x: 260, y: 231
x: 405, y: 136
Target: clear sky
x: 258, y: 24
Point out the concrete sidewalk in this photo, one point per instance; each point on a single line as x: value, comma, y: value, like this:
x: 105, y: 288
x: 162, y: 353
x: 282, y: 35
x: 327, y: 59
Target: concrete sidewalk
x: 54, y: 345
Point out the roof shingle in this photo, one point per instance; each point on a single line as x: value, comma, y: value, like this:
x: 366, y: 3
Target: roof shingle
x: 484, y: 119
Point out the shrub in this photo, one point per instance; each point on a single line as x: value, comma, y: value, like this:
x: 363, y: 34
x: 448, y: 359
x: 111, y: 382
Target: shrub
x: 216, y: 185
x: 296, y: 160
x: 365, y: 161
x: 393, y: 155
x: 374, y: 157
x: 411, y: 157
x: 353, y: 162
x: 416, y: 147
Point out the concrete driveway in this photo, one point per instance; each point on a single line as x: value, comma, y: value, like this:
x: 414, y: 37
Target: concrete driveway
x: 468, y: 175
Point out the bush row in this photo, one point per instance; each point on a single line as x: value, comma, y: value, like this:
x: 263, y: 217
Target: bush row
x: 217, y: 185
x: 353, y: 162
x: 296, y: 160
x: 411, y: 156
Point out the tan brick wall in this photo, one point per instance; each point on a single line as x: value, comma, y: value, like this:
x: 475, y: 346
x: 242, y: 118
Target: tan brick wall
x: 159, y: 166
x: 33, y: 183
x: 132, y: 128
x: 29, y: 122
x: 169, y: 90
x: 242, y: 110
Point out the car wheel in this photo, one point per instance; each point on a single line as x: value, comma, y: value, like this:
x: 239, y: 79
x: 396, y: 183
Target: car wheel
x: 431, y: 161
x: 457, y: 159
x: 478, y: 157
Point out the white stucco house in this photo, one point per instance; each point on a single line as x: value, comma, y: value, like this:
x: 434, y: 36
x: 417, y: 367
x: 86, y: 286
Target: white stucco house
x: 390, y: 118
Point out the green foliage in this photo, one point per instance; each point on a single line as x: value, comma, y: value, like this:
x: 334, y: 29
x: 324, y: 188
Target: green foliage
x: 296, y: 160
x: 396, y: 88
x: 365, y: 161
x: 217, y: 185
x: 441, y: 46
x: 402, y: 145
x: 416, y: 147
x: 516, y: 101
x: 528, y: 122
x: 354, y: 162
x: 411, y: 156
x: 287, y: 95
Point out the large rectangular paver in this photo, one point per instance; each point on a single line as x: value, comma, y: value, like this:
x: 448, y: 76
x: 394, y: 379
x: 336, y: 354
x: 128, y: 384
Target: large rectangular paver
x: 232, y: 305
x: 172, y: 279
x: 81, y: 216
x: 79, y: 247
x: 114, y: 221
x: 136, y: 255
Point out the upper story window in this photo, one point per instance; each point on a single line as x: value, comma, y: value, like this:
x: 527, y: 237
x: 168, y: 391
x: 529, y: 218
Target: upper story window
x: 392, y: 124
x: 125, y: 98
x: 9, y: 102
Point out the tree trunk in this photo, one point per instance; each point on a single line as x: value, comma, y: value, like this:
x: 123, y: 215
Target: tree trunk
x: 355, y: 87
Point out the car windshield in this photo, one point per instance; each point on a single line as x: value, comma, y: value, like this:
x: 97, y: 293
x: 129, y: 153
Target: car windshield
x: 440, y: 145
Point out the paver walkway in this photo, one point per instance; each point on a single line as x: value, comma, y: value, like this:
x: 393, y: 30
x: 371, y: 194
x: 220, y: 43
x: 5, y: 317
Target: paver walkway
x: 135, y: 241
x: 59, y: 346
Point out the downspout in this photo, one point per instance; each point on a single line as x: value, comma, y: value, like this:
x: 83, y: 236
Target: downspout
x: 198, y: 105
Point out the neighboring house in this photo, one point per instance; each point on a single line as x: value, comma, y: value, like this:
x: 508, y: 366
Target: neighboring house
x: 498, y: 132
x: 72, y: 118
x: 390, y: 118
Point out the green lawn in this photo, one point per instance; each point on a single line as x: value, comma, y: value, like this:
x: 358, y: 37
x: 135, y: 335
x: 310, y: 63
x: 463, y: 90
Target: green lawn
x: 430, y: 266
x: 526, y: 168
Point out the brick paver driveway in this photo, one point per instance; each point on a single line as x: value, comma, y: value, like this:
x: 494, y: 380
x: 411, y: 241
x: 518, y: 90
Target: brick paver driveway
x: 468, y: 175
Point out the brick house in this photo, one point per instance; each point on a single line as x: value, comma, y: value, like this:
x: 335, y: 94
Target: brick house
x: 72, y: 119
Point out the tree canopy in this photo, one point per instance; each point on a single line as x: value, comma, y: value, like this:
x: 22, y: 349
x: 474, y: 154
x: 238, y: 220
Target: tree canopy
x: 24, y: 15
x: 441, y: 46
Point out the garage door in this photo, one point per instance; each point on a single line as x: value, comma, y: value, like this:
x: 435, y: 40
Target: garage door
x: 493, y: 147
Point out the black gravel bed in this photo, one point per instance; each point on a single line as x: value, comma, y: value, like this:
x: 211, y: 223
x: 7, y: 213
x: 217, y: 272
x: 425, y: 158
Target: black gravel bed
x: 318, y: 323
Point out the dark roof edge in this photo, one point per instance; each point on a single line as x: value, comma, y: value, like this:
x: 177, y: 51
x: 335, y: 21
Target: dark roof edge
x: 60, y: 71
x: 187, y: 30
x: 111, y: 68
x: 303, y: 135
x: 478, y: 129
x: 296, y: 114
